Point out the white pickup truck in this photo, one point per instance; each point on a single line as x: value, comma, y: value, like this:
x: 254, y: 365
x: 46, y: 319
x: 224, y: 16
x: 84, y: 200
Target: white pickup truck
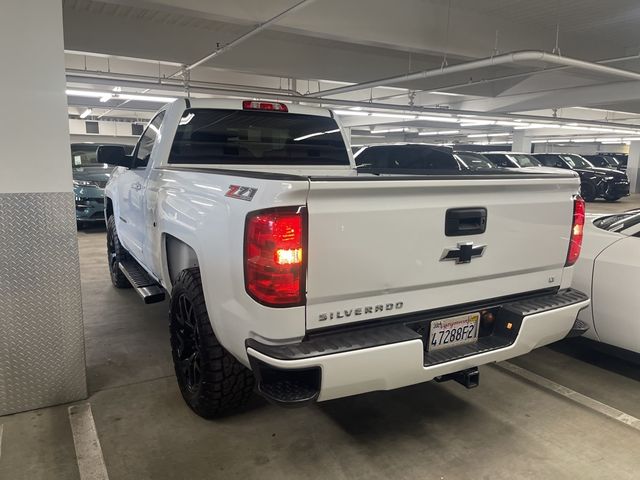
x: 292, y: 271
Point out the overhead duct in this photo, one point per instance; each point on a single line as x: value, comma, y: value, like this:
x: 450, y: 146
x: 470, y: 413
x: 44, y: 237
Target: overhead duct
x: 512, y: 58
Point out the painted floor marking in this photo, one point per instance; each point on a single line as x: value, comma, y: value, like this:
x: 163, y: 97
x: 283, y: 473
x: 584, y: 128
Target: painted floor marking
x: 583, y: 400
x: 85, y: 438
x: 1, y: 431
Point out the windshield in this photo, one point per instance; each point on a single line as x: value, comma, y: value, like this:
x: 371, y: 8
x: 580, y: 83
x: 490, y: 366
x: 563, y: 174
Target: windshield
x: 407, y: 157
x: 576, y: 161
x: 524, y: 160
x: 85, y: 157
x: 473, y: 161
x: 215, y: 136
x: 618, y: 222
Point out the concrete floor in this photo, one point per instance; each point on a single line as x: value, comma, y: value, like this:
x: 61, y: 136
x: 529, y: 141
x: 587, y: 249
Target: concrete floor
x: 507, y: 428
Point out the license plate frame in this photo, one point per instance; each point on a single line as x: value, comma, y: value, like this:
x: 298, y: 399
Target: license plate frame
x: 453, y: 331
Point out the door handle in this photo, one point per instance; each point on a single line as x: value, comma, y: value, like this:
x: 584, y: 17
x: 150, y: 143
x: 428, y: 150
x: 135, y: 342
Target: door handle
x: 136, y: 186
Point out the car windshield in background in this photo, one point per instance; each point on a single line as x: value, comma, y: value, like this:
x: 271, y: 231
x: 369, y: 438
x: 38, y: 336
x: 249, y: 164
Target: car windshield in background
x: 406, y: 157
x: 576, y: 161
x: 473, y: 161
x: 215, y: 136
x: 618, y: 222
x: 85, y: 157
x: 524, y: 160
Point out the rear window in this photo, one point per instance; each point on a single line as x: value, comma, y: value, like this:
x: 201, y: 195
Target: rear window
x: 406, y: 157
x: 524, y: 160
x: 212, y: 136
x: 473, y: 161
x: 500, y: 159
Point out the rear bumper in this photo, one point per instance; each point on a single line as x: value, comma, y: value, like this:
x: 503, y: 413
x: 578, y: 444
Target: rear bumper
x: 366, y: 359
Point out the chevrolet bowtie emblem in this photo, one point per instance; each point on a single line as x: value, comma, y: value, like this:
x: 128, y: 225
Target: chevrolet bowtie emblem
x: 463, y: 253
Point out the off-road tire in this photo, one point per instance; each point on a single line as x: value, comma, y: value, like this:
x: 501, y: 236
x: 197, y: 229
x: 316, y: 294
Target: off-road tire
x: 588, y: 192
x: 212, y: 382
x: 116, y: 254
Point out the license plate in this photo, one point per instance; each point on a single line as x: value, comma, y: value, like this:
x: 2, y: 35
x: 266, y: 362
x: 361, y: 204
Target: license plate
x: 451, y: 332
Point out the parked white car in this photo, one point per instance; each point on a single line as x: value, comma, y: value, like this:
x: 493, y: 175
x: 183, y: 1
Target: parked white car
x: 609, y: 270
x: 290, y: 268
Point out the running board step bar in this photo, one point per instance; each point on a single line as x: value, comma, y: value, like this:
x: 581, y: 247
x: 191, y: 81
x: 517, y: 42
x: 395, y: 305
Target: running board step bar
x: 148, y: 289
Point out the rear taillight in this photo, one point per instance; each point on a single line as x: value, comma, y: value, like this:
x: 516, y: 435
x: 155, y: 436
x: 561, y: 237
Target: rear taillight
x: 274, y: 256
x: 268, y: 106
x: 577, y: 231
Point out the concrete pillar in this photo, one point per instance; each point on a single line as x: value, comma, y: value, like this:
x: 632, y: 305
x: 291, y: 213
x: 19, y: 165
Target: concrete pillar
x: 633, y: 166
x: 41, y: 332
x: 521, y: 143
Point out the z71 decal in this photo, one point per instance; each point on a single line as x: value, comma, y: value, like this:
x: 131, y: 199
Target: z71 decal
x: 240, y: 192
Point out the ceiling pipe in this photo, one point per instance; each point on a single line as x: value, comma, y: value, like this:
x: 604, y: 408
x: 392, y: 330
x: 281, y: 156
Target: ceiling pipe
x: 415, y: 110
x: 245, y: 36
x: 484, y: 81
x: 504, y: 59
x: 77, y: 75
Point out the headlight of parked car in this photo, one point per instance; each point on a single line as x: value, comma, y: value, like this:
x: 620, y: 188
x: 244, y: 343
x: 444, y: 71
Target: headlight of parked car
x: 608, y: 179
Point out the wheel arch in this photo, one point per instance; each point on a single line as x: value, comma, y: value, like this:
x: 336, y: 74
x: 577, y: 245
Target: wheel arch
x: 108, y: 208
x: 178, y: 257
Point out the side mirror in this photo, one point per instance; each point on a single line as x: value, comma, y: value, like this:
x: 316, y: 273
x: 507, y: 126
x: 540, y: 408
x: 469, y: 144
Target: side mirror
x: 114, y: 155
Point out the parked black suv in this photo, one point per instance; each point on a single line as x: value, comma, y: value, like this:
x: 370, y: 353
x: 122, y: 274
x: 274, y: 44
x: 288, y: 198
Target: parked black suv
x: 603, y: 161
x: 609, y: 184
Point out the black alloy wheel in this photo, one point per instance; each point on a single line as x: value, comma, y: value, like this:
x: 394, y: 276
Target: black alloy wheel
x: 187, y: 335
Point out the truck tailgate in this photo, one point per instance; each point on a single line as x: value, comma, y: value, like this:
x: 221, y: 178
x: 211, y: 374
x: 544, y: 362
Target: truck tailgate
x: 376, y: 244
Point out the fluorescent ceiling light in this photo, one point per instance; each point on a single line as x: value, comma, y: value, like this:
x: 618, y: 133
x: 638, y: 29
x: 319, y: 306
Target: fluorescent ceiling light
x: 447, y: 93
x: 441, y: 132
x: 438, y: 119
x: 105, y: 96
x: 86, y: 113
x: 538, y: 141
x: 355, y: 113
x: 480, y: 135
x: 504, y: 123
x: 559, y: 140
x: 394, y: 115
x: 583, y: 140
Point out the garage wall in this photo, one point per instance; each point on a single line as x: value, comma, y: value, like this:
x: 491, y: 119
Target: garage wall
x: 41, y: 330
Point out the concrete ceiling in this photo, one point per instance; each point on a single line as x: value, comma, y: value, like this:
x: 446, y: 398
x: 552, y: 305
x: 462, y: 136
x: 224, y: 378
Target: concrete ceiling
x: 329, y: 43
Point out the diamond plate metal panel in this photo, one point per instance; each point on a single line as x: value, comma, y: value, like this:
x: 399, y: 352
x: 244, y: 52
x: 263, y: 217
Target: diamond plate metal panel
x: 41, y: 332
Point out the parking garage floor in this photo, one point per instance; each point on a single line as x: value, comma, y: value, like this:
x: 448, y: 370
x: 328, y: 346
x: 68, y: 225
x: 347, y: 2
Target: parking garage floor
x: 508, y: 428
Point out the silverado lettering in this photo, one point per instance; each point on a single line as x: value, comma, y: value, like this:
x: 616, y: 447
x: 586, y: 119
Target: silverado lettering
x: 323, y: 317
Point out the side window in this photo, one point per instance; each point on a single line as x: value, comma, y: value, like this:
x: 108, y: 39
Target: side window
x: 148, y: 140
